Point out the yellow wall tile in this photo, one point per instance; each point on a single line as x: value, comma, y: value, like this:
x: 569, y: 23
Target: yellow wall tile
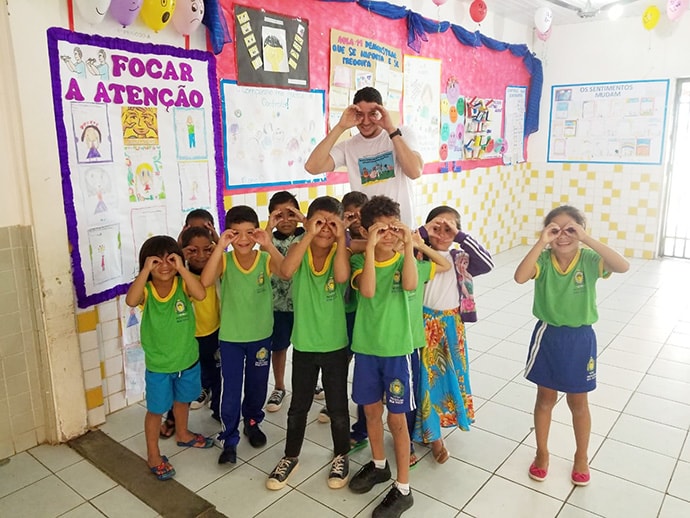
x: 573, y: 182
x: 606, y: 201
x: 262, y: 199
x: 87, y: 321
x: 548, y: 189
x: 589, y: 208
x: 94, y: 398
x: 629, y: 252
x: 618, y: 168
x: 647, y: 254
x: 613, y: 225
x: 632, y: 211
x: 649, y: 238
x: 591, y: 175
x: 621, y: 234
x: 581, y: 191
x: 102, y: 365
x: 550, y: 173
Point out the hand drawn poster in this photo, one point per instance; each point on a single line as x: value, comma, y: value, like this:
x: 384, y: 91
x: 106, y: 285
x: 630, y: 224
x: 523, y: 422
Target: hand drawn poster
x: 356, y: 62
x: 483, y: 122
x: 272, y: 49
x: 421, y: 103
x: 137, y: 141
x: 269, y: 134
x: 621, y: 123
x: 514, y: 125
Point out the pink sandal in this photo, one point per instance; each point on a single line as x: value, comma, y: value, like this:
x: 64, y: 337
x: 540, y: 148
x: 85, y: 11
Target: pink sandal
x: 579, y: 479
x: 537, y: 474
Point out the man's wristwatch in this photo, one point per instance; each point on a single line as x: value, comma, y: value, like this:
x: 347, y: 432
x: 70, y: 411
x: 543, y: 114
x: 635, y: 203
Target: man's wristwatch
x: 396, y: 133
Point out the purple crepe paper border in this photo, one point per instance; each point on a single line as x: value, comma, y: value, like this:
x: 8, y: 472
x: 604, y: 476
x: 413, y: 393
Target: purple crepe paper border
x: 56, y: 34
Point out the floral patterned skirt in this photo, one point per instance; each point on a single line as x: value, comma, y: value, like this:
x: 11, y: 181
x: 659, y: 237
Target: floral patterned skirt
x: 444, y: 397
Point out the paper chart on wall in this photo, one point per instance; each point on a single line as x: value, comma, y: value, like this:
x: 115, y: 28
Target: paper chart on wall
x: 621, y: 122
x: 422, y: 103
x: 514, y: 125
x: 269, y: 133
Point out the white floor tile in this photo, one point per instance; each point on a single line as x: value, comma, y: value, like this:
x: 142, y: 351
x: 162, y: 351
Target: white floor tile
x: 504, y: 421
x: 55, y: 457
x: 501, y: 497
x: 618, y: 377
x: 86, y: 479
x: 497, y: 366
x: 485, y: 385
x: 649, y: 435
x: 570, y: 511
x: 49, y: 496
x: 298, y: 505
x: 119, y: 503
x: 674, y: 508
x: 21, y: 471
x: 125, y: 423
x: 659, y: 409
x: 518, y: 396
x: 634, y: 464
x: 665, y: 388
x: 85, y: 510
x: 625, y: 360
x: 480, y: 448
x: 614, y: 497
x: 680, y: 481
x: 440, y: 481
x: 670, y: 369
x: 511, y: 349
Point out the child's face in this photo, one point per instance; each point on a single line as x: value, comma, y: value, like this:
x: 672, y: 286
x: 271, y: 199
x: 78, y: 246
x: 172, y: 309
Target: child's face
x: 244, y: 243
x: 443, y: 234
x: 326, y: 236
x: 197, y: 252
x: 566, y: 242
x: 288, y: 222
x: 389, y: 236
x: 165, y: 270
x: 353, y: 218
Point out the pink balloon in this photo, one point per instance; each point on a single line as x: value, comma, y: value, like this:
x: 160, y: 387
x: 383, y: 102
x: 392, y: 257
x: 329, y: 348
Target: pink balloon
x: 478, y: 10
x: 439, y: 2
x: 543, y: 36
x: 187, y: 16
x: 675, y: 8
x: 125, y: 11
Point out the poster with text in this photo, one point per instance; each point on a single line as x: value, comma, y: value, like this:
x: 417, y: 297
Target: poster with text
x: 137, y: 138
x: 621, y: 123
x: 271, y: 49
x: 514, y: 125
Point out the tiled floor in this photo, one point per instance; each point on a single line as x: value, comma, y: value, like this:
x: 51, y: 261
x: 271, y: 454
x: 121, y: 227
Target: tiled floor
x: 640, y: 451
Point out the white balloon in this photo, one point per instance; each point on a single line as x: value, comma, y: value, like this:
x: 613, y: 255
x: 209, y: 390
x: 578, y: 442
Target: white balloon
x: 93, y: 11
x: 542, y: 19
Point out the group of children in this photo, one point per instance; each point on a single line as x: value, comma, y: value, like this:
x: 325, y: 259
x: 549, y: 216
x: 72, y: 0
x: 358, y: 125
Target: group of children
x: 352, y: 280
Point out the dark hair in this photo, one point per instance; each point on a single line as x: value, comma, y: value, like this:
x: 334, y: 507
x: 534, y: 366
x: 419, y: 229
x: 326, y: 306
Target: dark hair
x: 444, y: 209
x: 272, y: 41
x: 201, y: 214
x: 190, y: 233
x: 158, y: 246
x: 368, y: 94
x: 83, y: 133
x: 355, y: 198
x: 282, y: 197
x: 570, y: 211
x: 326, y: 204
x: 241, y: 214
x: 376, y: 207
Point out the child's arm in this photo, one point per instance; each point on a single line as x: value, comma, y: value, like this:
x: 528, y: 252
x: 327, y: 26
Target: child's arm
x: 442, y: 264
x: 527, y: 268
x: 297, y: 250
x: 194, y: 287
x: 341, y: 261
x: 214, y: 267
x: 135, y: 293
x: 366, y: 281
x: 410, y: 275
x: 264, y: 240
x: 613, y: 261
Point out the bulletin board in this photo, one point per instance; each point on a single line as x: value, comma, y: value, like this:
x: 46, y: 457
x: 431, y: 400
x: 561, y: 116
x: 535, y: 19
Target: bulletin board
x: 621, y: 122
x: 139, y: 149
x: 483, y: 67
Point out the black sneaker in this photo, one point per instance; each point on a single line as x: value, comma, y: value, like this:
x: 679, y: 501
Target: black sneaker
x: 229, y: 455
x: 199, y: 402
x: 340, y: 472
x: 275, y: 401
x: 368, y: 476
x: 280, y: 474
x: 393, y: 505
x: 324, y: 416
x: 256, y: 437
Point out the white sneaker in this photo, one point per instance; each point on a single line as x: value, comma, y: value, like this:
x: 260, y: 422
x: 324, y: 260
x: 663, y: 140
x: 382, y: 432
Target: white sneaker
x: 200, y: 401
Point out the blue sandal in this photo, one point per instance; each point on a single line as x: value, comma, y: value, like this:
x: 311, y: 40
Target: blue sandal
x: 164, y: 471
x: 199, y: 441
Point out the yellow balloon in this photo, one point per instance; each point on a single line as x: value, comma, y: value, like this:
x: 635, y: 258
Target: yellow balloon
x: 156, y: 14
x: 651, y: 17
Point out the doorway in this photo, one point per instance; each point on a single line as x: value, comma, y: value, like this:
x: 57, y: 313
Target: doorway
x: 675, y: 240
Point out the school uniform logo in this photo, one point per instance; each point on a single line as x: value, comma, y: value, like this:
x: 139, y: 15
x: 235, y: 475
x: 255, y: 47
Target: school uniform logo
x: 329, y: 288
x: 181, y: 310
x: 260, y: 279
x: 579, y: 279
x: 397, y: 287
x: 262, y: 356
x: 591, y: 369
x: 396, y: 392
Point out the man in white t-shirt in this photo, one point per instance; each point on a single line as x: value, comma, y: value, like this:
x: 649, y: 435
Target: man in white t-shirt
x: 380, y: 159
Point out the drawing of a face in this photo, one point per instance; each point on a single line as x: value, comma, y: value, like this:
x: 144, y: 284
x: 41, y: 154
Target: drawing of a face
x: 101, y: 56
x: 452, y: 90
x: 443, y: 152
x: 143, y: 181
x: 139, y: 123
x: 77, y: 54
x: 445, y: 106
x: 273, y: 52
x: 453, y: 113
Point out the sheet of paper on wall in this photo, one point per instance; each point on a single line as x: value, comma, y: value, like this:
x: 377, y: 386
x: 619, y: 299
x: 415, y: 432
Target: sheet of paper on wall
x: 132, y: 353
x: 339, y: 98
x: 382, y: 72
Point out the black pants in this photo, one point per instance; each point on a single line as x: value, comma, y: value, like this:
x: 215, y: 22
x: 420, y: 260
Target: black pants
x: 305, y: 372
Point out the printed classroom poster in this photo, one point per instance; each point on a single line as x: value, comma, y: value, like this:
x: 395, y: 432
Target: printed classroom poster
x: 137, y: 141
x: 271, y: 49
x: 621, y: 123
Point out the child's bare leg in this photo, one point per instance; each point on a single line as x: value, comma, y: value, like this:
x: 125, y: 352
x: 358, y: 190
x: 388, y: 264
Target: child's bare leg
x: 374, y: 415
x: 181, y: 412
x: 582, y: 425
x: 397, y: 423
x: 546, y: 400
x: 152, y: 424
x: 278, y: 359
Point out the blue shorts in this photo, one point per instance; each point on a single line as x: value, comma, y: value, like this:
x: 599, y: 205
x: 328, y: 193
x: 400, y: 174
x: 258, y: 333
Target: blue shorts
x: 283, y: 321
x: 375, y: 376
x: 162, y: 389
x: 563, y: 358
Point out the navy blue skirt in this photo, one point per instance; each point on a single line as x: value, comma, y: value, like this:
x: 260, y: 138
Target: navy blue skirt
x: 563, y: 358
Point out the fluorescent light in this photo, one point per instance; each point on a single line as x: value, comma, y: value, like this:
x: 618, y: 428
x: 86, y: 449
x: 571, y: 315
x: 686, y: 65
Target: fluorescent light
x: 615, y: 12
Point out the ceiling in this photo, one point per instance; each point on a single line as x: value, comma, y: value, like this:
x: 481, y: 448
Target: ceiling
x: 523, y: 10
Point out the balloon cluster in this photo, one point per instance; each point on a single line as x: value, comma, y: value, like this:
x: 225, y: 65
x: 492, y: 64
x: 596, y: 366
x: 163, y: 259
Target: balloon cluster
x: 185, y: 15
x: 543, y: 17
x: 674, y: 10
